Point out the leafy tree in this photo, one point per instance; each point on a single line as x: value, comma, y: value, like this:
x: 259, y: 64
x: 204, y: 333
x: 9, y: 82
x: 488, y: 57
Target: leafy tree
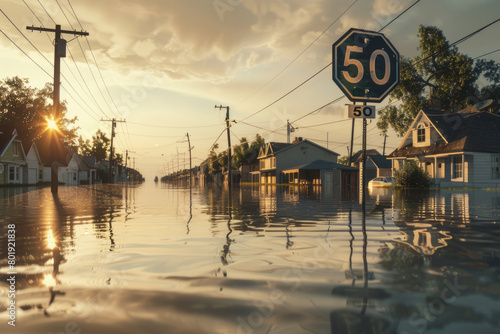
x: 213, y: 161
x: 440, y: 73
x: 98, y: 147
x: 411, y: 176
x: 240, y: 152
x: 247, y: 153
x: 118, y: 158
x: 27, y: 109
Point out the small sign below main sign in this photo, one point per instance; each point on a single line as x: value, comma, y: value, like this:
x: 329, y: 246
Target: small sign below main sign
x: 361, y: 111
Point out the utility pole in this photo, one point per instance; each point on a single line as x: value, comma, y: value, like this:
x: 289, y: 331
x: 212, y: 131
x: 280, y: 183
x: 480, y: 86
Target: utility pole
x: 113, y: 126
x: 126, y: 162
x: 228, y: 125
x: 59, y: 51
x: 289, y: 129
x: 190, y: 163
x: 385, y: 139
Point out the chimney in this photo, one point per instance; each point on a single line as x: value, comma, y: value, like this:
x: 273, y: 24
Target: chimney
x: 297, y: 140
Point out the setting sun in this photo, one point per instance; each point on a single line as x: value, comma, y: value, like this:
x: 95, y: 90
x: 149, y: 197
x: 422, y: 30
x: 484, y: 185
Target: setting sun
x: 52, y: 124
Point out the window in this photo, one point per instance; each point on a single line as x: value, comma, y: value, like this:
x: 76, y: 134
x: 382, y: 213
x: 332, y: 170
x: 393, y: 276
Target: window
x: 74, y: 176
x: 273, y: 162
x: 40, y: 174
x: 457, y: 167
x: 421, y: 133
x: 13, y: 173
x: 262, y: 164
x: 15, y: 150
x: 495, y: 164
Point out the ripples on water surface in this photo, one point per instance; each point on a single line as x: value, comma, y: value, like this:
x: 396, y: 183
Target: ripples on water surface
x: 158, y: 259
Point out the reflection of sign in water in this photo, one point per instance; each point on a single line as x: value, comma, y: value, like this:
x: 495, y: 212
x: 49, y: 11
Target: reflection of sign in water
x: 425, y: 241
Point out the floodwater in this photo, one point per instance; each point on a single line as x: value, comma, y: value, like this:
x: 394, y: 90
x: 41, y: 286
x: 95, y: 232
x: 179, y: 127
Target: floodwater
x: 154, y: 258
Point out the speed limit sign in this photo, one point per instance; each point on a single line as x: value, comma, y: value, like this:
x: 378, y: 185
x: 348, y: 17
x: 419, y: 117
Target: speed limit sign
x: 361, y: 111
x: 365, y: 65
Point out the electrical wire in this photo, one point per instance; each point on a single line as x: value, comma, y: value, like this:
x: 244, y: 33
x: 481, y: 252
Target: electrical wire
x: 26, y: 54
x: 487, y: 54
x: 303, y: 51
x: 314, y: 75
x: 46, y: 12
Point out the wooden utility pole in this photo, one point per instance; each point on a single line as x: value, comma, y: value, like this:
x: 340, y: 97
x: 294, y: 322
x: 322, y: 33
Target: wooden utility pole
x: 59, y: 52
x: 113, y: 126
x: 228, y: 125
x: 126, y: 162
x: 190, y: 163
x: 289, y: 129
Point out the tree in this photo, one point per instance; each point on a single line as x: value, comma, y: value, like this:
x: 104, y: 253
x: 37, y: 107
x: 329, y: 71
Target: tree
x: 439, y: 73
x: 99, y: 146
x: 247, y: 153
x: 118, y: 158
x: 27, y: 109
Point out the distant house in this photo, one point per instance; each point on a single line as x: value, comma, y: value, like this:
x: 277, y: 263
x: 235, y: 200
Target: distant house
x: 331, y: 176
x: 34, y: 171
x: 274, y: 158
x: 456, y: 149
x: 91, y: 162
x: 12, y: 158
x: 378, y: 165
x: 358, y: 156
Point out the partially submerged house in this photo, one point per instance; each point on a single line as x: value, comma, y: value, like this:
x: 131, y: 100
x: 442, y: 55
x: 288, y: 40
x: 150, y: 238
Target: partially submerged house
x: 456, y: 149
x: 274, y: 158
x: 34, y: 171
x: 12, y: 158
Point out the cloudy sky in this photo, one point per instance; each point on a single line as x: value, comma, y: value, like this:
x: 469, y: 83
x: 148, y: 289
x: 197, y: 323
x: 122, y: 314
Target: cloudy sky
x: 162, y: 65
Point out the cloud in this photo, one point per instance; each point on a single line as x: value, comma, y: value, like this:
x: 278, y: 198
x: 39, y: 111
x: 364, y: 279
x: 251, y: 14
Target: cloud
x: 189, y: 40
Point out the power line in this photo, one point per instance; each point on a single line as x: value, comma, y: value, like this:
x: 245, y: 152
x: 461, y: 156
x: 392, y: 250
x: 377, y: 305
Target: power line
x: 47, y: 12
x: 290, y: 92
x: 324, y: 68
x: 303, y: 51
x: 8, y: 18
x: 50, y: 75
x: 397, y: 17
x: 36, y: 16
x: 461, y: 40
x: 487, y: 54
x: 175, y: 127
x: 328, y: 123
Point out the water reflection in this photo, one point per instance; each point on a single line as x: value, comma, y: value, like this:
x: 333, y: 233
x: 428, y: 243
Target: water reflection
x: 119, y: 259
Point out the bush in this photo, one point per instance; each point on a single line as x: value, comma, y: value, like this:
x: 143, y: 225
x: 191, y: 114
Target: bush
x: 411, y: 176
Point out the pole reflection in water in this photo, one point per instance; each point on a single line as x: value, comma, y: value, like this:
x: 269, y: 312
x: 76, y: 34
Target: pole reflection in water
x: 225, y: 248
x: 54, y: 243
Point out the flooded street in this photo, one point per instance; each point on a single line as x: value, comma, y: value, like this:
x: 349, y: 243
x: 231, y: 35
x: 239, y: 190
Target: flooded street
x: 154, y: 258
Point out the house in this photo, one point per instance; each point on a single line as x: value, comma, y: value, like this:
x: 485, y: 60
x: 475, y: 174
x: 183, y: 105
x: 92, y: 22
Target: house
x: 274, y: 158
x: 34, y: 171
x: 12, y: 158
x: 377, y: 166
x: 91, y: 177
x: 456, y: 149
x: 358, y: 156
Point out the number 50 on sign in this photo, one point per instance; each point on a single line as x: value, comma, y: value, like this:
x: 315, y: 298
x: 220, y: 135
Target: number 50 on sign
x: 361, y: 111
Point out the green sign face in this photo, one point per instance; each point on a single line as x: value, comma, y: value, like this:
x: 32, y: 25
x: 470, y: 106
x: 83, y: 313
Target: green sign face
x: 365, y: 65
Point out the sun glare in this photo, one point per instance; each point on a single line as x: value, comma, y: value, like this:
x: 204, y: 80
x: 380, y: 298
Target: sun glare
x: 51, y: 124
